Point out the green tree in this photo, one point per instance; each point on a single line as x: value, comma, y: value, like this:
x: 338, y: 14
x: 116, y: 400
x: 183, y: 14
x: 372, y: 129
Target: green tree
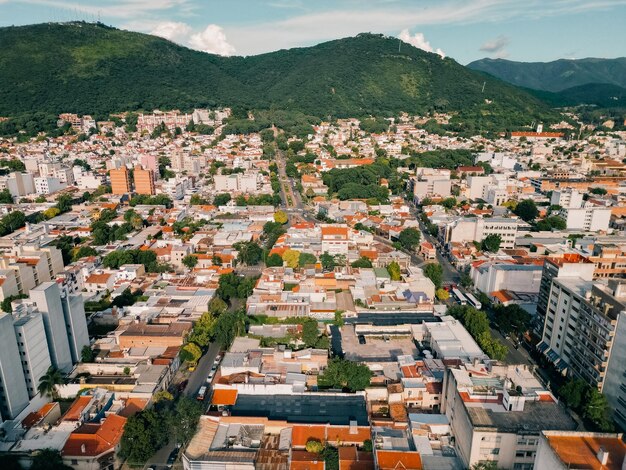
x: 228, y: 326
x: 394, y: 271
x: 491, y: 243
x: 48, y: 459
x: 353, y: 376
x: 512, y: 319
x: 5, y: 197
x: 191, y: 352
x: 598, y: 190
x: 596, y: 409
x: 306, y: 258
x: 84, y: 251
x: 64, y: 203
x: 249, y: 253
x: 86, y: 354
x: 221, y: 199
x: 273, y: 260
x: 49, y: 382
x: 527, y: 210
x: 409, y: 238
x: 314, y: 446
x: 310, y: 333
x: 281, y: 217
x: 185, y: 419
x: 216, y: 260
x: 362, y: 262
x: 549, y: 223
x: 6, y: 303
x: 573, y: 393
x: 190, y: 261
x: 144, y: 434
x: 217, y: 306
x: 203, y: 328
x: 434, y: 272
x: 328, y: 261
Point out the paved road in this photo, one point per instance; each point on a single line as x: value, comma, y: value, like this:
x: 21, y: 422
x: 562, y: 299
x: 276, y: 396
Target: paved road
x: 196, y: 380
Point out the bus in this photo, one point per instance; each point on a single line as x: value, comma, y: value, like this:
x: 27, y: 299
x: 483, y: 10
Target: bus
x: 201, y: 393
x: 473, y: 301
x: 459, y: 296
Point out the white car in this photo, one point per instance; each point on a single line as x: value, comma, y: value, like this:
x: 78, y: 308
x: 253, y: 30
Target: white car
x: 210, y: 376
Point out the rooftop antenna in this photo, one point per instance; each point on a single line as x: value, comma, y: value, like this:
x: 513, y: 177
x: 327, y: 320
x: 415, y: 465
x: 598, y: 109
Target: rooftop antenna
x: 483, y: 90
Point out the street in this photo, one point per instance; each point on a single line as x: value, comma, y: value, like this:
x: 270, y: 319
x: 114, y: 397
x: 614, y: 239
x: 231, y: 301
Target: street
x: 196, y: 379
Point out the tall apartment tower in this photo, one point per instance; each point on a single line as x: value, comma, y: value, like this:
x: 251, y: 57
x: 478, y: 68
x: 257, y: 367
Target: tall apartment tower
x: 76, y: 324
x: 585, y: 334
x: 144, y: 181
x: 47, y: 297
x: 32, y: 344
x: 120, y: 180
x: 13, y: 390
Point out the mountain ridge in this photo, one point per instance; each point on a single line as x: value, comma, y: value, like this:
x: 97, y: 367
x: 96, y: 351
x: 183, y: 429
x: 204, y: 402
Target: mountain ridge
x: 96, y: 69
x: 558, y: 75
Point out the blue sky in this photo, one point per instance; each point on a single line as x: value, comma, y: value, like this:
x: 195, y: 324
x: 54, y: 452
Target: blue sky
x: 530, y: 30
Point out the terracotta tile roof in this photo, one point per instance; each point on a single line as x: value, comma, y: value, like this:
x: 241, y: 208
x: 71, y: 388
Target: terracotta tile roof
x: 394, y: 460
x: 352, y: 459
x: 75, y: 411
x: 85, y: 442
x: 303, y: 460
x: 335, y: 231
x: 224, y: 396
x: 300, y: 434
x: 580, y: 451
x: 133, y: 406
x: 98, y: 278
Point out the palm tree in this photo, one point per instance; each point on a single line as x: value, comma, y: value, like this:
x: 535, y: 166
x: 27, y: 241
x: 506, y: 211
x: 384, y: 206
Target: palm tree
x: 49, y: 381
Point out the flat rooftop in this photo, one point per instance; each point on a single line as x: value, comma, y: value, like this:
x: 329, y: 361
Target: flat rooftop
x: 537, y: 416
x: 333, y: 408
x: 375, y: 349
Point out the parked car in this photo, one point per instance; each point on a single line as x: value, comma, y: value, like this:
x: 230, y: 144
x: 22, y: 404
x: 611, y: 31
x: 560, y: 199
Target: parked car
x: 201, y: 393
x: 172, y: 457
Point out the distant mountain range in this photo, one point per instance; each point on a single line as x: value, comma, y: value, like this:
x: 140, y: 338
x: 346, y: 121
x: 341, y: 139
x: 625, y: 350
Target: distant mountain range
x: 96, y: 69
x: 558, y: 75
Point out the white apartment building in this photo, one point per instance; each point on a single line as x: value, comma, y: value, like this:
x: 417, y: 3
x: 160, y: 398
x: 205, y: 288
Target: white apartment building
x: 47, y: 297
x: 20, y: 184
x: 431, y: 182
x: 236, y: 183
x: 497, y: 160
x: 469, y: 229
x: 497, y: 414
x: 567, y: 198
x: 48, y: 185
x: 33, y: 347
x: 13, y: 391
x: 590, y: 219
x: 584, y: 334
x: 493, y: 276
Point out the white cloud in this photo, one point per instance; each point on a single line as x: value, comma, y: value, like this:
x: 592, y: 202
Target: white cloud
x: 311, y: 28
x: 172, y: 30
x: 496, y: 47
x: 418, y: 40
x: 212, y: 40
x: 116, y: 8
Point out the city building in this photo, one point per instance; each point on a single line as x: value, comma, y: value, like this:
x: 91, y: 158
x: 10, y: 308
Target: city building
x: 469, y: 229
x: 32, y: 345
x: 13, y: 391
x: 120, y: 180
x: 431, y: 182
x: 144, y: 181
x: 561, y: 450
x: 567, y: 199
x: 497, y: 414
x: 585, y: 334
x: 589, y: 219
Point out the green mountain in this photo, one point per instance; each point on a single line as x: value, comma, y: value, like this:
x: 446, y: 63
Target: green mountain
x: 95, y: 69
x: 558, y: 75
x: 604, y: 95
